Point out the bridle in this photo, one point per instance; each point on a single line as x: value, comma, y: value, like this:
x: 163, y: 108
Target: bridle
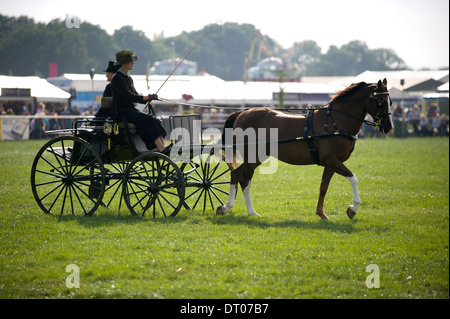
x: 379, y: 105
x: 308, y: 132
x: 377, y: 118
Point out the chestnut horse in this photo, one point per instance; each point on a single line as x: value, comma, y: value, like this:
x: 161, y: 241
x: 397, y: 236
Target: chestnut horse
x: 326, y: 136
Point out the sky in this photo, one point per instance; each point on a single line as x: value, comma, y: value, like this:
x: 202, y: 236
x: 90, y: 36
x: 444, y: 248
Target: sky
x: 417, y: 30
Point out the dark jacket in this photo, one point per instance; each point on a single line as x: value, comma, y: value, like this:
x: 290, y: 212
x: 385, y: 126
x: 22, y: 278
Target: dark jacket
x: 107, y: 92
x: 102, y: 112
x: 123, y: 91
x: 124, y: 97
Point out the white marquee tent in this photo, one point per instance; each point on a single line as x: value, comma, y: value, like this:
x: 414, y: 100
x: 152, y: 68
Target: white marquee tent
x: 39, y: 88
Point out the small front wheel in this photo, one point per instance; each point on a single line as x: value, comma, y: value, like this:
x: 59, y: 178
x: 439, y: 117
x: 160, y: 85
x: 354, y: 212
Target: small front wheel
x: 207, y: 182
x: 153, y: 182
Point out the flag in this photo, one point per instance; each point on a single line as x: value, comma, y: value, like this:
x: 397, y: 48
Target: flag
x: 53, y: 70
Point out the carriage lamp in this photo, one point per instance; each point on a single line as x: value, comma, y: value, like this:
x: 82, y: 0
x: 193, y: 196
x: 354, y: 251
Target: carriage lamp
x: 107, y: 128
x: 116, y: 128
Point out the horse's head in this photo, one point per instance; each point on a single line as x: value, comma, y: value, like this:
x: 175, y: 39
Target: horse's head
x: 378, y: 107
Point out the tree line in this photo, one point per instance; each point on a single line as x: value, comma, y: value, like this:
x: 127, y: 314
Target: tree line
x: 27, y: 47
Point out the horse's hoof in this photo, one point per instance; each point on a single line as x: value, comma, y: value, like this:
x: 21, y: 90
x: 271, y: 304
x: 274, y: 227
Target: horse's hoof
x: 220, y: 211
x: 350, y: 213
x: 254, y: 214
x: 323, y: 216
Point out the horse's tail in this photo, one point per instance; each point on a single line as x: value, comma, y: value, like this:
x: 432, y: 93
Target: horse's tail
x: 229, y: 123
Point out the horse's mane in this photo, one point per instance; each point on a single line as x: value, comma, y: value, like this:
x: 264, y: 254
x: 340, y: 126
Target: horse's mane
x: 347, y: 91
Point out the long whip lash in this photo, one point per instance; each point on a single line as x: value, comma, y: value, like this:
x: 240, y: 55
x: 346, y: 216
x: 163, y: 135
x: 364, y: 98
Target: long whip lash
x: 186, y: 56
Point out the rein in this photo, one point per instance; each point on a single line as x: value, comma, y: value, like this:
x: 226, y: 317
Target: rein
x: 372, y: 98
x: 370, y: 123
x: 377, y: 117
x: 309, y: 136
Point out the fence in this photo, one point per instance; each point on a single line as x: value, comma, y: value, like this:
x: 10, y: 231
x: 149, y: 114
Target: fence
x: 23, y: 127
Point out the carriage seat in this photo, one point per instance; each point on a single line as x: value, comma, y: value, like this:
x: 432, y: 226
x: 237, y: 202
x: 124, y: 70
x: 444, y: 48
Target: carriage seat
x: 106, y: 102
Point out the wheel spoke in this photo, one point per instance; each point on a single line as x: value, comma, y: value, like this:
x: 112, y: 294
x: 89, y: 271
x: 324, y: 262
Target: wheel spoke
x: 56, y: 198
x: 215, y: 195
x: 64, y: 200
x: 43, y: 197
x: 199, y: 196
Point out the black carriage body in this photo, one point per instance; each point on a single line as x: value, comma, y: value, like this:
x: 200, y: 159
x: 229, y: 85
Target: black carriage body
x: 104, y: 159
x: 113, y: 139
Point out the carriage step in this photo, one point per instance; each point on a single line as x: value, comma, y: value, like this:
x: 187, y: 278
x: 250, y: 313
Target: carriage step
x: 191, y: 170
x: 65, y: 153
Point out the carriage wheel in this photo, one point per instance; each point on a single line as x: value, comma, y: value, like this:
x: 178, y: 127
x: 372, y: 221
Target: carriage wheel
x: 68, y: 177
x: 207, y: 182
x: 153, y: 182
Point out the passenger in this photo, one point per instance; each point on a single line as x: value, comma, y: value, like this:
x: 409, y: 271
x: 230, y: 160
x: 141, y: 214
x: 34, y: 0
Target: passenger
x: 110, y: 71
x: 125, y: 98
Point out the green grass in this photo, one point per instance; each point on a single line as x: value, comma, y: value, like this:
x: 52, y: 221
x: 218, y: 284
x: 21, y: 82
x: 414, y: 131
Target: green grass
x: 402, y: 226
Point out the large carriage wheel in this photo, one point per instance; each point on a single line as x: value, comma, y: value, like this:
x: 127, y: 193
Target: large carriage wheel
x: 68, y: 177
x: 153, y: 182
x: 207, y: 182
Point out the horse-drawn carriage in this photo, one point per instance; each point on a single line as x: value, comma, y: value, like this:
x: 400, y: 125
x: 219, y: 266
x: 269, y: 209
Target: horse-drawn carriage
x: 103, y: 159
x: 103, y: 162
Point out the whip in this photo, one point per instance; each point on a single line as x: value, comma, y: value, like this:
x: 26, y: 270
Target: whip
x: 186, y: 56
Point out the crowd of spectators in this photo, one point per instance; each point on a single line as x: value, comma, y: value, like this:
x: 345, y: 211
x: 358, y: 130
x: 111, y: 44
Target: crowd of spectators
x: 45, y: 117
x: 8, y: 111
x: 431, y: 123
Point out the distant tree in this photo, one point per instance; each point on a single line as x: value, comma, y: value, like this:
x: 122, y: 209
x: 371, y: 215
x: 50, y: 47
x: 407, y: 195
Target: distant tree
x: 236, y: 45
x: 303, y: 54
x: 333, y: 63
x: 30, y: 48
x: 354, y: 58
x: 18, y: 50
x: 9, y: 24
x: 100, y: 46
x: 361, y: 57
x: 387, y: 59
x: 64, y: 46
x: 222, y: 52
x: 26, y: 48
x: 128, y: 39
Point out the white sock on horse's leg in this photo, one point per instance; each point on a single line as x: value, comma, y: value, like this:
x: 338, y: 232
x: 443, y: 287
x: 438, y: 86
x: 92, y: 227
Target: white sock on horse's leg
x: 248, y: 201
x: 356, y: 200
x: 231, y: 198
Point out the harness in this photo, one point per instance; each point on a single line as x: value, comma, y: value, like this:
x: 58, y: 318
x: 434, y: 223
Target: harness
x: 309, y: 136
x: 308, y: 132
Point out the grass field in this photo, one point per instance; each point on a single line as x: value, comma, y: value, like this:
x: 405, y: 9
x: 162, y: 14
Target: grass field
x: 402, y: 227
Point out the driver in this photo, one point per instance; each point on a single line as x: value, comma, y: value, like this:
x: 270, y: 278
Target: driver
x: 125, y: 98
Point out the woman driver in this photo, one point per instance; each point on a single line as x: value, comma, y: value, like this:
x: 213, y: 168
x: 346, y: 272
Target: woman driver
x: 125, y: 98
